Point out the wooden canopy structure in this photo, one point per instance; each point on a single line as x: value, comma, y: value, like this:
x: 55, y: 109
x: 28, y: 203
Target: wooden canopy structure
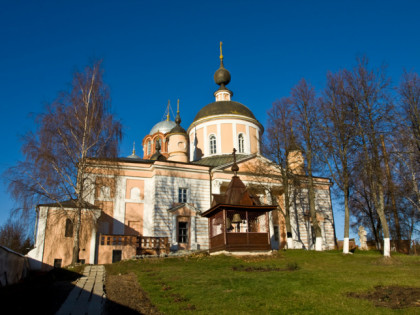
x: 237, y: 220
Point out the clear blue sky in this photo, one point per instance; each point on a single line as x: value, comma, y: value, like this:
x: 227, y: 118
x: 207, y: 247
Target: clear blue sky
x: 153, y: 51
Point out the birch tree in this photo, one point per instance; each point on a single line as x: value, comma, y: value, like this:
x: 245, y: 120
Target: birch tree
x: 57, y: 166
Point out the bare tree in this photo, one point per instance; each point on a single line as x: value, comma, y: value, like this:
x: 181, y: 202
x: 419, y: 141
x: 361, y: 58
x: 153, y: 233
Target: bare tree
x: 303, y: 99
x: 13, y: 235
x: 409, y: 92
x: 279, y: 146
x: 338, y: 140
x: 369, y: 94
x: 76, y: 127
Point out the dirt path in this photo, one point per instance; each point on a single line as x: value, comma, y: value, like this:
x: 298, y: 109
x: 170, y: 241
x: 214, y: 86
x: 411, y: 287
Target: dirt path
x: 124, y: 296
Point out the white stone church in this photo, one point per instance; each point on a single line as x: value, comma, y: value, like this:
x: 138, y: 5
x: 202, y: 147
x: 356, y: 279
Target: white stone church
x: 156, y: 201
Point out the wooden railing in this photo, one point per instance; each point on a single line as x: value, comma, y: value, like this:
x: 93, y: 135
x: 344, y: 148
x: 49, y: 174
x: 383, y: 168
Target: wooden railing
x: 148, y: 242
x: 142, y: 243
x: 112, y: 240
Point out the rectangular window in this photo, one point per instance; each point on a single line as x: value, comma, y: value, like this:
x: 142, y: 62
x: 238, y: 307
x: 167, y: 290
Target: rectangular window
x: 213, y: 149
x: 57, y: 263
x: 182, y: 195
x: 69, y: 228
x: 182, y: 232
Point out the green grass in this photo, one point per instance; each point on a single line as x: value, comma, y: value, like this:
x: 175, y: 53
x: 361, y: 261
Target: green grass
x: 293, y: 281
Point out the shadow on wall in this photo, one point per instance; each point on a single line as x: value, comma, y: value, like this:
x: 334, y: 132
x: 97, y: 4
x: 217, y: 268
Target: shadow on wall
x: 14, y: 267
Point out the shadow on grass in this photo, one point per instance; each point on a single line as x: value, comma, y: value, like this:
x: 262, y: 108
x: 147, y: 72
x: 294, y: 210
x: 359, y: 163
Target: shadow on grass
x: 44, y: 293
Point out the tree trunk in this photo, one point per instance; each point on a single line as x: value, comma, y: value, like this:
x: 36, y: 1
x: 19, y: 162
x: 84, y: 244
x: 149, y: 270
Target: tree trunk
x: 391, y: 190
x: 79, y: 203
x: 76, y: 241
x: 289, y: 236
x: 384, y: 224
x: 315, y: 225
x: 346, y: 219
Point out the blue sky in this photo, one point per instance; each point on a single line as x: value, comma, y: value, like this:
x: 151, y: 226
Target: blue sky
x: 153, y: 51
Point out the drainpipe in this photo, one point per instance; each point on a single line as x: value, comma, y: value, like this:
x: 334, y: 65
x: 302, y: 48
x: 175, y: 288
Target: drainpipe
x: 211, y: 183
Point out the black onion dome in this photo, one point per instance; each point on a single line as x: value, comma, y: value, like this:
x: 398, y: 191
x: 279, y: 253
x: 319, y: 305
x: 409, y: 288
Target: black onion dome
x: 224, y: 108
x: 177, y: 129
x: 222, y: 76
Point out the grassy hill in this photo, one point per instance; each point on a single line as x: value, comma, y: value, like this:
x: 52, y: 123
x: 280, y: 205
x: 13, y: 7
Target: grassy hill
x: 293, y: 281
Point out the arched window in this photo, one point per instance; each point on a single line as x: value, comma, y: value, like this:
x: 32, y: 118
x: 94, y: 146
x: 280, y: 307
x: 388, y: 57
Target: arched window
x: 158, y: 141
x: 149, y: 147
x: 69, y: 228
x: 241, y: 143
x: 213, y: 149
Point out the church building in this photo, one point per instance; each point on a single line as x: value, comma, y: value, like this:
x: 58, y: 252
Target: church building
x: 154, y: 203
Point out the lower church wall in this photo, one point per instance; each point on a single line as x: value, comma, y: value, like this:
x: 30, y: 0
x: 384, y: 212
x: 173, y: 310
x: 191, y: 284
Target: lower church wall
x: 301, y: 221
x: 166, y: 196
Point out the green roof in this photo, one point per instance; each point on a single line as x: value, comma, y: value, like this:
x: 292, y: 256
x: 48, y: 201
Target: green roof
x: 224, y: 108
x: 218, y: 160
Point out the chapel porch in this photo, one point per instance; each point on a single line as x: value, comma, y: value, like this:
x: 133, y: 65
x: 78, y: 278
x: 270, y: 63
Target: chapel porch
x: 238, y: 223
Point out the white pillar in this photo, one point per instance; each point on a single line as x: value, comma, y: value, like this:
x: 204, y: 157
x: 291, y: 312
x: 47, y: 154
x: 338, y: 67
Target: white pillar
x: 206, y: 142
x: 387, y: 252
x: 37, y: 253
x: 193, y: 233
x: 216, y: 186
x: 346, y: 245
x: 174, y: 219
x: 92, y: 245
x: 219, y: 139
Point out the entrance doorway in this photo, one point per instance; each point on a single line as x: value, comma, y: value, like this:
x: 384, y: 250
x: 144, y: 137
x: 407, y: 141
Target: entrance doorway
x: 116, y: 256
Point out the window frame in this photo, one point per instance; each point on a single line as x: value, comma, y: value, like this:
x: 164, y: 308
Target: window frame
x: 183, y: 236
x: 241, y: 143
x: 212, y: 144
x: 182, y: 195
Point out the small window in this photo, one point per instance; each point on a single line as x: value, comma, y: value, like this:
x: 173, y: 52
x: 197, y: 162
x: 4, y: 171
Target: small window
x: 69, y: 228
x: 57, y: 263
x: 241, y: 143
x: 158, y: 143
x: 182, y: 195
x: 213, y: 149
x: 182, y: 232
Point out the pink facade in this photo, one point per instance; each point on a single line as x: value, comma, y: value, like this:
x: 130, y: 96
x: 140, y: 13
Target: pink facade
x: 153, y: 204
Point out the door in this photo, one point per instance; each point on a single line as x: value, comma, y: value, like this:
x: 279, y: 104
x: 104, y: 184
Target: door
x: 116, y: 256
x: 183, y: 234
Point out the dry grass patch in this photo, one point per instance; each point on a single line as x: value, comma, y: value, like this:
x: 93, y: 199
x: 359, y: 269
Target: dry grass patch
x: 394, y: 297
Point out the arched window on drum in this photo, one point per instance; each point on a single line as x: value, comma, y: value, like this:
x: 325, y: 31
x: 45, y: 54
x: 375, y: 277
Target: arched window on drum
x: 213, y: 144
x: 149, y: 147
x: 241, y: 143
